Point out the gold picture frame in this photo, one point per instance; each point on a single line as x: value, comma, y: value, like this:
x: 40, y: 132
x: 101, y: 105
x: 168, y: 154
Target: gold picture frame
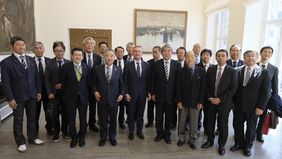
x: 159, y: 27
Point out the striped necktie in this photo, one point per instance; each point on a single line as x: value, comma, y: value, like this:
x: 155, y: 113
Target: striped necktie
x: 166, y: 70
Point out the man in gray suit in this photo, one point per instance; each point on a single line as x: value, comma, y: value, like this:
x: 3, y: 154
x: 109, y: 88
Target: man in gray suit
x: 266, y: 53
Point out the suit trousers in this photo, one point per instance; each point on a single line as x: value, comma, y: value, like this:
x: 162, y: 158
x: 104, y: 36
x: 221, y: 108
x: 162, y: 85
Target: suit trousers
x: 193, y: 118
x: 136, y: 110
x: 92, y: 110
x: 244, y: 139
x: 215, y: 112
x: 164, y: 109
x: 150, y: 111
x: 82, y: 110
x: 48, y: 117
x: 106, y: 112
x: 18, y: 113
x: 122, y: 107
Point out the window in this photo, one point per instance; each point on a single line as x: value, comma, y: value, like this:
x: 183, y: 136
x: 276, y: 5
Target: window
x: 222, y: 29
x: 273, y: 34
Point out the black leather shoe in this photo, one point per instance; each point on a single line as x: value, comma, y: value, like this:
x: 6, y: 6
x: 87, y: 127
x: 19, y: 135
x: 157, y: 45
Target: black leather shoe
x: 66, y: 135
x: 102, y: 142
x: 167, y: 140
x: 207, y: 145
x: 73, y: 143
x: 180, y: 143
x: 131, y: 136
x: 148, y: 125
x: 260, y: 138
x: 113, y: 142
x: 122, y: 126
x: 158, y: 138
x: 235, y: 148
x: 247, y: 152
x: 81, y: 143
x: 192, y: 145
x: 221, y: 151
x: 94, y: 128
x: 141, y: 136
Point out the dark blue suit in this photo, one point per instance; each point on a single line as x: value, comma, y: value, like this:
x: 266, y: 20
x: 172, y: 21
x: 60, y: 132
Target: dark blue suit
x: 75, y: 95
x: 96, y: 59
x: 52, y: 77
x: 21, y: 85
x: 138, y: 89
x: 109, y: 92
x: 247, y: 98
x: 240, y: 63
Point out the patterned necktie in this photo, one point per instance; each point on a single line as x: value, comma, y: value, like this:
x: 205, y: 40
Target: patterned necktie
x: 77, y: 72
x: 108, y: 76
x: 218, y: 77
x: 247, y: 77
x: 23, y: 62
x: 89, y: 62
x: 234, y: 64
x: 206, y: 67
x: 166, y: 70
x: 119, y: 64
x: 138, y: 69
x: 263, y: 66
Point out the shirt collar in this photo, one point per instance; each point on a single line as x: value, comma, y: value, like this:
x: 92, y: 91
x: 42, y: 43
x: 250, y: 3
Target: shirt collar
x: 222, y: 67
x: 18, y: 55
x: 266, y: 64
x: 167, y: 61
x: 111, y: 66
x: 79, y: 65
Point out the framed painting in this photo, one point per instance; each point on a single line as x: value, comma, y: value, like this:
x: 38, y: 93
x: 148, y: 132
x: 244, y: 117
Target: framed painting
x: 160, y: 27
x: 16, y: 19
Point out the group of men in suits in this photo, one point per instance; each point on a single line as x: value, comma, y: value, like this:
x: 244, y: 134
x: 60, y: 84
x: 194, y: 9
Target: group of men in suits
x: 127, y: 82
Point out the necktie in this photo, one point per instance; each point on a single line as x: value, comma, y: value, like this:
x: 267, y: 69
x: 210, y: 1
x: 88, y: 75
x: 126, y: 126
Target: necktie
x: 59, y: 69
x: 41, y: 71
x: 108, y: 76
x: 234, y: 64
x: 138, y: 69
x: 77, y: 72
x: 191, y: 72
x: 23, y: 62
x: 248, y: 76
x: 166, y: 70
x: 205, y: 66
x: 89, y: 62
x: 119, y: 65
x: 263, y: 66
x: 218, y: 77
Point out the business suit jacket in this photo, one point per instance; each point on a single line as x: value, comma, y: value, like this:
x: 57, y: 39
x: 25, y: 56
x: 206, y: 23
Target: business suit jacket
x: 52, y: 75
x: 201, y: 65
x: 95, y: 58
x: 240, y: 63
x: 255, y: 94
x: 19, y: 83
x: 133, y: 85
x: 125, y: 58
x: 190, y: 88
x: 116, y: 64
x: 163, y: 89
x: 273, y: 75
x: 108, y: 92
x: 226, y: 87
x: 71, y: 87
x: 46, y: 60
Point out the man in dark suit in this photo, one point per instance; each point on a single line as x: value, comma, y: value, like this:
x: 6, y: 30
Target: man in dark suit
x: 205, y: 64
x: 156, y: 51
x: 120, y: 63
x: 163, y: 92
x: 108, y: 89
x: 41, y: 61
x: 265, y: 54
x: 189, y: 97
x: 21, y: 86
x: 75, y: 86
x: 250, y: 100
x: 136, y: 77
x: 235, y: 53
x: 53, y: 87
x: 92, y: 60
x: 221, y: 85
x: 129, y: 48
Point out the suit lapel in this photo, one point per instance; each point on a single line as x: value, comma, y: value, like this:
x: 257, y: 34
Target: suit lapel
x: 73, y: 71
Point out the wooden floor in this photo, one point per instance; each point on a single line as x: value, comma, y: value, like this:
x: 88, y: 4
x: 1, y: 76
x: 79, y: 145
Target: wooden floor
x: 136, y: 149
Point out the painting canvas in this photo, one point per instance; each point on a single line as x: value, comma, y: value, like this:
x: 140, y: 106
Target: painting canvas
x: 159, y: 27
x: 16, y: 19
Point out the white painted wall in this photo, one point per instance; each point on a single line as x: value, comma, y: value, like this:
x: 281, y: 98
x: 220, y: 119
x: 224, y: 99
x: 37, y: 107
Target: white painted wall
x: 53, y: 18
